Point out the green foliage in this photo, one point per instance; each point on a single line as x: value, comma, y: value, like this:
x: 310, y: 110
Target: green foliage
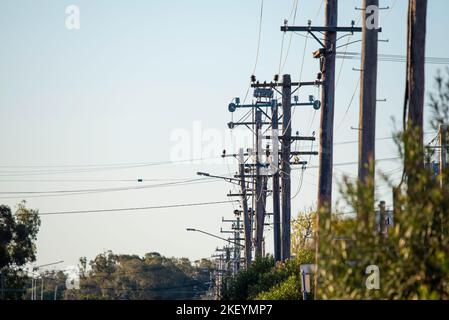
x: 289, y: 289
x: 18, y: 233
x: 130, y: 277
x: 439, y: 101
x: 248, y: 283
x: 265, y: 280
x: 303, y: 229
x: 413, y: 258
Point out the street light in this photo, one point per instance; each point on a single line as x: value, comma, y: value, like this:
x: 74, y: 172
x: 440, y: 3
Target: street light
x: 215, y: 236
x: 34, y: 282
x: 228, y: 179
x: 46, y: 265
x: 306, y: 272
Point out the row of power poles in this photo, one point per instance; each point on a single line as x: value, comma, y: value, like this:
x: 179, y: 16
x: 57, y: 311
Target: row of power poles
x: 265, y: 168
x: 272, y: 163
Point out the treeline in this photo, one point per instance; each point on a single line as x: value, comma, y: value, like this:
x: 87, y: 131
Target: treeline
x: 108, y: 276
x: 130, y: 277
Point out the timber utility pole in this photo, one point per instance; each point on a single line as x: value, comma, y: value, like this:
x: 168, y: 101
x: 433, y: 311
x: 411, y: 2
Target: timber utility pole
x: 368, y: 96
x: 259, y: 185
x: 414, y: 95
x: 246, y: 214
x: 443, y: 134
x: 327, y: 112
x: 276, y: 186
x: 285, y: 164
x: 326, y: 54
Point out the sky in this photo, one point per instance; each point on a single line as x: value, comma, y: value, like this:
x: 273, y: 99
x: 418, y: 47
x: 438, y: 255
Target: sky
x: 143, y: 85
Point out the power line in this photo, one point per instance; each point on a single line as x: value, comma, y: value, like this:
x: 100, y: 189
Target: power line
x: 391, y: 58
x: 257, y: 53
x: 75, y: 166
x: 352, y: 163
x: 139, y: 180
x: 178, y: 181
x: 137, y: 208
x: 104, y: 189
x: 93, y: 168
x: 42, y: 194
x: 259, y: 37
x: 377, y: 139
x: 346, y: 49
x: 390, y: 11
x: 349, y: 104
x: 293, y: 12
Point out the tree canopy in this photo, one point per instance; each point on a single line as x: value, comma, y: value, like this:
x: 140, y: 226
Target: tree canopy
x: 18, y: 233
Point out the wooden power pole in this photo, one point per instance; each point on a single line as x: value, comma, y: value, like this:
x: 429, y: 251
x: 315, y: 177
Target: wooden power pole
x: 247, y: 228
x: 368, y: 98
x: 327, y: 112
x: 417, y: 14
x: 443, y: 131
x: 276, y: 186
x: 326, y: 54
x: 327, y: 128
x: 285, y: 165
x: 259, y: 197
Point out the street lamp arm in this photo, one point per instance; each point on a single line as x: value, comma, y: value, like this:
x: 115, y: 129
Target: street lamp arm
x: 47, y: 265
x: 215, y: 236
x: 229, y: 179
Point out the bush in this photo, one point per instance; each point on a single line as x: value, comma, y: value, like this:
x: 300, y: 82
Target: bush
x: 265, y: 280
x: 413, y: 258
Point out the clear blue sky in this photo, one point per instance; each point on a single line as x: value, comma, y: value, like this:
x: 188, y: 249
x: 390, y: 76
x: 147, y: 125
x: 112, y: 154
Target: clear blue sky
x: 115, y: 90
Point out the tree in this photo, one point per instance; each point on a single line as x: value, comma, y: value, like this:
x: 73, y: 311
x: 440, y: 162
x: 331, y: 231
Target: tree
x: 303, y: 229
x: 18, y: 233
x: 266, y: 280
x: 413, y: 257
x: 131, y: 277
x: 439, y: 100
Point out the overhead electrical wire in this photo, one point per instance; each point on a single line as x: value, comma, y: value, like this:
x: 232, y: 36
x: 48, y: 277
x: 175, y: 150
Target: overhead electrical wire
x: 389, y: 11
x: 377, y: 139
x: 106, y: 189
x: 197, y: 204
x: 391, y: 58
x: 259, y: 37
x: 346, y: 49
x: 169, y: 179
x: 43, y: 194
x: 292, y: 13
x: 357, y: 86
x: 353, y: 163
x: 95, y: 168
x: 106, y: 165
x: 139, y: 180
